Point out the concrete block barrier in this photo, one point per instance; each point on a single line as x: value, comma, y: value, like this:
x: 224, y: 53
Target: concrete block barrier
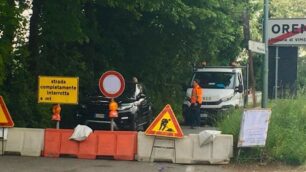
x: 144, y: 147
x: 25, y: 141
x: 32, y: 142
x: 201, y: 154
x: 163, y: 154
x: 222, y: 149
x: 15, y: 140
x: 184, y: 150
x: 219, y: 151
x: 163, y: 149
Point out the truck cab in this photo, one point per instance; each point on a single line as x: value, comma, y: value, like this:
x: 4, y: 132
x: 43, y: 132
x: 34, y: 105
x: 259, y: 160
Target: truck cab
x: 223, y: 88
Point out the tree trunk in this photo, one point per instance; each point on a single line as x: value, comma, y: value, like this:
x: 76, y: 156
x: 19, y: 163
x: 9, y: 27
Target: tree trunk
x: 34, y: 36
x: 247, y: 36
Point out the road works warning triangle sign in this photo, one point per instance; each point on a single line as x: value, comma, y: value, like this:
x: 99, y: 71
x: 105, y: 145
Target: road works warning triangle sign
x: 5, y: 117
x: 165, y: 124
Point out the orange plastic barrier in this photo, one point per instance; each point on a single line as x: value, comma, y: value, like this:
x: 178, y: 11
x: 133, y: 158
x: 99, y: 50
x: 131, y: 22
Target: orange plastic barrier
x: 68, y: 147
x: 52, y: 143
x: 106, y: 143
x: 88, y: 147
x: 122, y: 145
x: 57, y: 143
x: 126, y: 145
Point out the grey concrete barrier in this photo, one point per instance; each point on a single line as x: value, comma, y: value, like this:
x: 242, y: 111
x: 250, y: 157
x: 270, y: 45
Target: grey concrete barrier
x: 25, y: 141
x: 201, y: 154
x: 163, y: 149
x: 219, y: 151
x: 222, y: 149
x: 188, y: 150
x: 184, y: 150
x: 144, y: 148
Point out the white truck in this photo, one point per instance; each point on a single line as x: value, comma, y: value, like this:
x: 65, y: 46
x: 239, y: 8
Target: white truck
x: 223, y: 88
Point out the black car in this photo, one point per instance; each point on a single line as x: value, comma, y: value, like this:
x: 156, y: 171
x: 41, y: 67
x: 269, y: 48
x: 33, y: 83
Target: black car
x: 134, y: 110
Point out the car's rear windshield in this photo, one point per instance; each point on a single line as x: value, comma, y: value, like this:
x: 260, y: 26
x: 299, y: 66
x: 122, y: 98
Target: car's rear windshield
x: 216, y: 80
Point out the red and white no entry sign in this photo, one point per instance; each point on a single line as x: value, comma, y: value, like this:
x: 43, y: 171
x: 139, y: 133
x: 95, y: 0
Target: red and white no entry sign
x: 111, y: 84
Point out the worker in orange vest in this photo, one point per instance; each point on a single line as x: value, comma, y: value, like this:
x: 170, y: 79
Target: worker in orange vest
x: 196, y: 102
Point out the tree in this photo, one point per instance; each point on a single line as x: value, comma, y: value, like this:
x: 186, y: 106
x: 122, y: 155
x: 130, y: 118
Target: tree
x: 157, y: 41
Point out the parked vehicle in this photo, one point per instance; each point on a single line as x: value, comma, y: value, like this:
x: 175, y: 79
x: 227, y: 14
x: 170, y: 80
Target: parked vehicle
x: 134, y: 110
x: 223, y: 88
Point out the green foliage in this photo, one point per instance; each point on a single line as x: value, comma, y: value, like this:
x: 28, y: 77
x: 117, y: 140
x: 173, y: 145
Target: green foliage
x: 156, y: 41
x: 286, y: 136
x: 230, y: 124
x: 287, y: 9
x: 286, y: 133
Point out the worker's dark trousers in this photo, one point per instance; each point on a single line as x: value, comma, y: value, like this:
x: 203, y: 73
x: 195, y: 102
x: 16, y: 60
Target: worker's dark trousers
x: 195, y: 115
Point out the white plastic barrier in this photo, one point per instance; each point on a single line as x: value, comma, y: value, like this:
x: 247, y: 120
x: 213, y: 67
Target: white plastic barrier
x: 26, y: 141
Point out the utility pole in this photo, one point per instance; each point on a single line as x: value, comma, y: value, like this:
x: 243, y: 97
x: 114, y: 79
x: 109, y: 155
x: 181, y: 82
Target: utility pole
x: 266, y: 60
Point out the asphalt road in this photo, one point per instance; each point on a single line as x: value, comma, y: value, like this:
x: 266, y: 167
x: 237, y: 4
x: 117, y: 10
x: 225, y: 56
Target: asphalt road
x: 9, y: 163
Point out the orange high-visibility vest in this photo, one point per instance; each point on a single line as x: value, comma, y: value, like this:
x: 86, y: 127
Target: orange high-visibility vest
x: 196, y: 95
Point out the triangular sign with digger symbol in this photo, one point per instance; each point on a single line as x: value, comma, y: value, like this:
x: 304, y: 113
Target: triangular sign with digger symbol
x: 165, y: 124
x: 5, y: 117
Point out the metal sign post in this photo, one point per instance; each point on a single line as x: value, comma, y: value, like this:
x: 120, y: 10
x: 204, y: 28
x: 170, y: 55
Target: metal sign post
x: 266, y: 60
x: 112, y: 85
x: 2, y: 139
x: 276, y: 72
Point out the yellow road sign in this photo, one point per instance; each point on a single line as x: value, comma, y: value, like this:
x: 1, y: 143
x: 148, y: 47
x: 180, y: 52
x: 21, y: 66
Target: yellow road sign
x: 52, y: 89
x: 165, y: 124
